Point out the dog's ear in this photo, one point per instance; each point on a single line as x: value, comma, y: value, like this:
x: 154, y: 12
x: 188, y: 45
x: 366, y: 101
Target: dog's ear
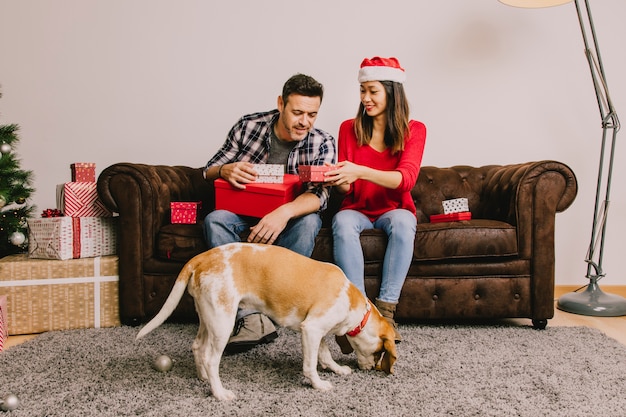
x: 389, y: 356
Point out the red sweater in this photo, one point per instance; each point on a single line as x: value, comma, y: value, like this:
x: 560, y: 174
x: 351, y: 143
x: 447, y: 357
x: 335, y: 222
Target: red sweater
x: 369, y: 198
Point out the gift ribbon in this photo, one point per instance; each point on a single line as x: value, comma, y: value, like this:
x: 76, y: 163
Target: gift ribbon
x: 76, y: 237
x: 52, y: 213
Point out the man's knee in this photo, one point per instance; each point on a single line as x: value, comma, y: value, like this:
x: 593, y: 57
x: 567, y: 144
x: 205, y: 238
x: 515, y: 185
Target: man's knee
x: 311, y: 222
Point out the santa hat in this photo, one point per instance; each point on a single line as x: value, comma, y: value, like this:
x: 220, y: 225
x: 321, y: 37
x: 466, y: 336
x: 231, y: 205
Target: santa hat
x: 381, y: 69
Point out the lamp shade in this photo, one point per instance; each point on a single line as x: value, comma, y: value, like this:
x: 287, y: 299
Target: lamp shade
x: 532, y: 4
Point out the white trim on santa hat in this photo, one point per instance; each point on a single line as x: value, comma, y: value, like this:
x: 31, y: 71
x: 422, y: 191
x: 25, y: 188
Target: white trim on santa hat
x: 381, y: 73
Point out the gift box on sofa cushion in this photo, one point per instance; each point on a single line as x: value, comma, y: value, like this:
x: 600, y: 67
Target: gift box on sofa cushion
x: 451, y: 217
x: 45, y: 295
x: 80, y: 199
x: 313, y: 173
x: 185, y: 212
x: 72, y: 237
x: 83, y: 172
x: 256, y: 200
x: 456, y: 205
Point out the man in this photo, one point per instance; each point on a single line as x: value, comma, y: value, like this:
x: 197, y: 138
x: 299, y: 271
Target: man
x: 286, y: 136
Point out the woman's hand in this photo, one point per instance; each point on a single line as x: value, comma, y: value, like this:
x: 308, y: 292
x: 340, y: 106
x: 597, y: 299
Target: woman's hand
x: 346, y: 173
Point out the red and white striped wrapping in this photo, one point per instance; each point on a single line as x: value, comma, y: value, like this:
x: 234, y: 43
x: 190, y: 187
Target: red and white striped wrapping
x: 80, y: 199
x: 3, y: 321
x: 71, y: 237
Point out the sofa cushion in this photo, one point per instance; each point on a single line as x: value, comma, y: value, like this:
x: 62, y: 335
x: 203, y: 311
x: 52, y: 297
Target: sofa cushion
x: 180, y: 242
x: 436, y: 242
x: 472, y: 239
x: 467, y: 239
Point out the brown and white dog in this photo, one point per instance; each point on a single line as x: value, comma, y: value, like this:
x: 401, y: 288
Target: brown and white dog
x: 296, y: 292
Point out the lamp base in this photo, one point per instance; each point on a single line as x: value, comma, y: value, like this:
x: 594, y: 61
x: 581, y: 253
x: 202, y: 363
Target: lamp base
x: 593, y: 302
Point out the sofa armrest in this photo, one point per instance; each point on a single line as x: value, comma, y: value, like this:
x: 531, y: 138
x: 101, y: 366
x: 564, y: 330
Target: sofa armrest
x: 141, y: 195
x: 543, y: 189
x: 528, y: 196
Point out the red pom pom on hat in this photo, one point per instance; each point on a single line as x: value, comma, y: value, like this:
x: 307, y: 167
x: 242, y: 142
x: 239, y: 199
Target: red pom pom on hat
x: 381, y: 69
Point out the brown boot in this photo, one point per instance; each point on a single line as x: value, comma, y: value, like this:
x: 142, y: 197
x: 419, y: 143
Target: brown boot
x: 388, y: 310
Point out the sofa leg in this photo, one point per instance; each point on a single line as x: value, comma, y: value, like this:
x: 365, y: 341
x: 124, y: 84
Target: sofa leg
x: 540, y: 324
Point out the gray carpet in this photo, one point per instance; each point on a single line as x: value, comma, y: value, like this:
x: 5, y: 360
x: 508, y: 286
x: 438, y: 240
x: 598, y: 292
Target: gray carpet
x: 443, y: 370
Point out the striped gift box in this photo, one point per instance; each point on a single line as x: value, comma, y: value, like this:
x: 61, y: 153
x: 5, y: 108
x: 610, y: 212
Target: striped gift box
x: 80, y: 199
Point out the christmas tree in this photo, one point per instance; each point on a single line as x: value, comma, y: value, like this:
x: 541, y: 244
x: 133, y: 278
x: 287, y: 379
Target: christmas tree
x: 15, y: 189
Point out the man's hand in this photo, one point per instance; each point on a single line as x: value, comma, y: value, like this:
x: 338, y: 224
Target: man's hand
x: 238, y: 174
x: 269, y: 227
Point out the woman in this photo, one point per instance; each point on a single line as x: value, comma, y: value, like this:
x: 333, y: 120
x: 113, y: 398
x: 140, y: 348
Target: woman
x: 380, y: 152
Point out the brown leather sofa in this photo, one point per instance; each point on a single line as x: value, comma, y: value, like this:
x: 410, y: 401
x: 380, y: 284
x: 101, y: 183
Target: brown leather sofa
x: 499, y: 264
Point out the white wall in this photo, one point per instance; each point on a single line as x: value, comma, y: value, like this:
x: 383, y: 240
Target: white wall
x: 162, y: 81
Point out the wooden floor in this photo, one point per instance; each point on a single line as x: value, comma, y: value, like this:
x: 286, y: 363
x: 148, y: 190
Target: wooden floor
x: 614, y: 327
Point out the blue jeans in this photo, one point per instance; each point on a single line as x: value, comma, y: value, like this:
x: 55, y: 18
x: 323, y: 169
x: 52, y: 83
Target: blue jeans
x: 223, y: 226
x: 399, y: 225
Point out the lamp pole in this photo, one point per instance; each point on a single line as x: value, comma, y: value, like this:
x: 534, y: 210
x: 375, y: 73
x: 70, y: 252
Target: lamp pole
x: 593, y: 301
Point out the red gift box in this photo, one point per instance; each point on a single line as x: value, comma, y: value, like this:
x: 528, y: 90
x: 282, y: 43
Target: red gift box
x: 257, y: 199
x: 80, y: 199
x: 3, y: 321
x: 83, y: 172
x: 313, y: 173
x: 451, y: 217
x: 185, y: 212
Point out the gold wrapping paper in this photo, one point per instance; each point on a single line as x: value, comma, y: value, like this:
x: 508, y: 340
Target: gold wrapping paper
x: 45, y: 295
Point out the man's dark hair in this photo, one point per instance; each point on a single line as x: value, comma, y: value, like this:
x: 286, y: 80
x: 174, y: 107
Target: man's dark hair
x: 302, y: 85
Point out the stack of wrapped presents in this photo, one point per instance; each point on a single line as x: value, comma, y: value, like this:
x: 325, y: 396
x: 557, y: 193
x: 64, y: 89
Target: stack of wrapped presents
x: 69, y: 277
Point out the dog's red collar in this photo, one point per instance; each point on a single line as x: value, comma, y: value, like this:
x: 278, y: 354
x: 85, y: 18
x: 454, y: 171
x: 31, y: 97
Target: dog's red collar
x: 361, y: 325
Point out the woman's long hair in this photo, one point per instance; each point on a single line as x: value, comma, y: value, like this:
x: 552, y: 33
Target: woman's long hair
x: 397, y: 119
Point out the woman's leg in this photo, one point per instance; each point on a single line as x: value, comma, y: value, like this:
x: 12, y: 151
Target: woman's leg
x: 400, y: 226
x: 347, y: 250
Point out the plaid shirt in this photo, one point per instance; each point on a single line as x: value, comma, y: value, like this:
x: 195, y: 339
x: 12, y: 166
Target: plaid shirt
x: 249, y: 140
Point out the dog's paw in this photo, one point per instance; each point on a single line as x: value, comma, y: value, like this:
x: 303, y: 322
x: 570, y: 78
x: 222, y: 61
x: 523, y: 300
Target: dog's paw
x: 202, y: 375
x: 322, y: 385
x: 343, y: 370
x: 224, y: 395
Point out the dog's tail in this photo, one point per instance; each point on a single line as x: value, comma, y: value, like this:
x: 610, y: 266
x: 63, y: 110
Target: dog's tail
x: 172, y: 301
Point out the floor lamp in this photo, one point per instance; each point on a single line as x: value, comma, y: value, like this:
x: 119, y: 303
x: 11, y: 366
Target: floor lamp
x: 593, y: 301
